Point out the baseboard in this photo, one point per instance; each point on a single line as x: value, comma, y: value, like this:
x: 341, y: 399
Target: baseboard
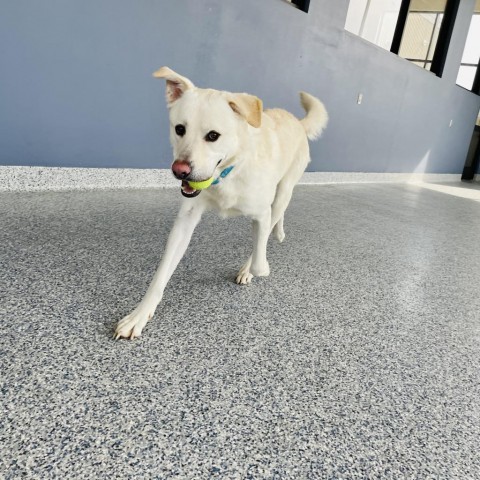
x: 31, y: 179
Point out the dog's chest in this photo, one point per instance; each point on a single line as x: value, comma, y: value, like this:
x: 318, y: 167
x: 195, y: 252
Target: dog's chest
x: 228, y: 202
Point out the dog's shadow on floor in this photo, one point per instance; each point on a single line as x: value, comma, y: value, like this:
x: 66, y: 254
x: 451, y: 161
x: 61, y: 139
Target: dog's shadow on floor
x: 181, y: 292
x: 206, y: 273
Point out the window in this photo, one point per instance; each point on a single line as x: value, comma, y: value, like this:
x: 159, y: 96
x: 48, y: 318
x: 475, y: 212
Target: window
x: 373, y: 20
x: 420, y: 35
x: 469, y: 71
x: 417, y: 30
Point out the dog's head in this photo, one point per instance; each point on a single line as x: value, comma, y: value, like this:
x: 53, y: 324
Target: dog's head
x: 206, y: 127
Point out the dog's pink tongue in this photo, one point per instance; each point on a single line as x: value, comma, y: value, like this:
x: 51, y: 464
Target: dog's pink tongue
x: 187, y: 188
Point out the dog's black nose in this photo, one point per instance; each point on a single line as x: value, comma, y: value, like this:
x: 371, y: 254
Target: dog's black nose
x: 181, y: 169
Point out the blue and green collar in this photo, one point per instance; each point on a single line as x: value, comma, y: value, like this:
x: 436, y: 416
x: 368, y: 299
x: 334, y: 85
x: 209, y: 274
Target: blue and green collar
x: 223, y: 174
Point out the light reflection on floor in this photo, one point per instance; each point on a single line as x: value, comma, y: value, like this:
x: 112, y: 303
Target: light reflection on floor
x: 458, y: 189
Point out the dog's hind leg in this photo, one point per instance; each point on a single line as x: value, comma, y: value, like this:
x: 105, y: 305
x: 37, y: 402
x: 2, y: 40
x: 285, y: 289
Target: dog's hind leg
x: 285, y: 191
x: 280, y: 204
x: 278, y: 230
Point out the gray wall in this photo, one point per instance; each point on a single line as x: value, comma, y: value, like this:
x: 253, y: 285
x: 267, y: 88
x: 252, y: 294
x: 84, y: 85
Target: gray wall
x: 76, y: 86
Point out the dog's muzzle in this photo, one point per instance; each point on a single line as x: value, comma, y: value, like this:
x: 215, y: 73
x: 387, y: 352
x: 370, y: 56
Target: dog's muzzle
x: 188, y: 191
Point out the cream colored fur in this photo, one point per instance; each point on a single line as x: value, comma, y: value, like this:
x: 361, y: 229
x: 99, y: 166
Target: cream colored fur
x: 269, y: 151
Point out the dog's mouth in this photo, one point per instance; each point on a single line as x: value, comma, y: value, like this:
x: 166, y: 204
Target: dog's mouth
x: 188, y: 191
x: 192, y: 188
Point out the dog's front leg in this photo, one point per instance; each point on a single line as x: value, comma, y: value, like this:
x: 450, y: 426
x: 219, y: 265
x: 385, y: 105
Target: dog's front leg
x: 132, y: 325
x: 261, y: 232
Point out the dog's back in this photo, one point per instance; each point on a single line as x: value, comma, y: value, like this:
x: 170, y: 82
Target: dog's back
x: 289, y: 154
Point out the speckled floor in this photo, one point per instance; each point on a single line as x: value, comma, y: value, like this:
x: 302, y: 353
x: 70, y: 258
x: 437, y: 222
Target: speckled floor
x: 359, y: 357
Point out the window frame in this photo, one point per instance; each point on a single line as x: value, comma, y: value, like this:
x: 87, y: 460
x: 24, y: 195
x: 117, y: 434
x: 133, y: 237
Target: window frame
x: 426, y: 61
x: 303, y: 5
x: 444, y: 36
x: 476, y: 81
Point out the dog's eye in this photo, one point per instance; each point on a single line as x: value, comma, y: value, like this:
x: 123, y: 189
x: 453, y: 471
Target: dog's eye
x: 212, y: 136
x: 180, y: 130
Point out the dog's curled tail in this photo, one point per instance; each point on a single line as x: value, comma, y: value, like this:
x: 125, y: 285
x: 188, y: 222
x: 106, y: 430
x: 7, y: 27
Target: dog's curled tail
x: 317, y: 117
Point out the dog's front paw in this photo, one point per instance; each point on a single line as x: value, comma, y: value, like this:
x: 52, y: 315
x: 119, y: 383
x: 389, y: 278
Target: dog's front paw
x: 244, y: 276
x: 132, y: 325
x: 249, y: 270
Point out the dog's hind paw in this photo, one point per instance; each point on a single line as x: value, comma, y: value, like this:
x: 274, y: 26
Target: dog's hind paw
x: 279, y: 233
x: 132, y: 325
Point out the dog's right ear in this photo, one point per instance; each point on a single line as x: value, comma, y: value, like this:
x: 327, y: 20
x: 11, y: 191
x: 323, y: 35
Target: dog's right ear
x: 176, y: 84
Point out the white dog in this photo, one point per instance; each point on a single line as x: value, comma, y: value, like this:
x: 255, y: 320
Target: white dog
x: 255, y: 158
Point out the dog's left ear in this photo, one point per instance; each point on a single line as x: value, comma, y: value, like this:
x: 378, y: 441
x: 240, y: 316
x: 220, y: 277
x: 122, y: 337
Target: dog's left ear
x: 176, y: 84
x: 249, y: 107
